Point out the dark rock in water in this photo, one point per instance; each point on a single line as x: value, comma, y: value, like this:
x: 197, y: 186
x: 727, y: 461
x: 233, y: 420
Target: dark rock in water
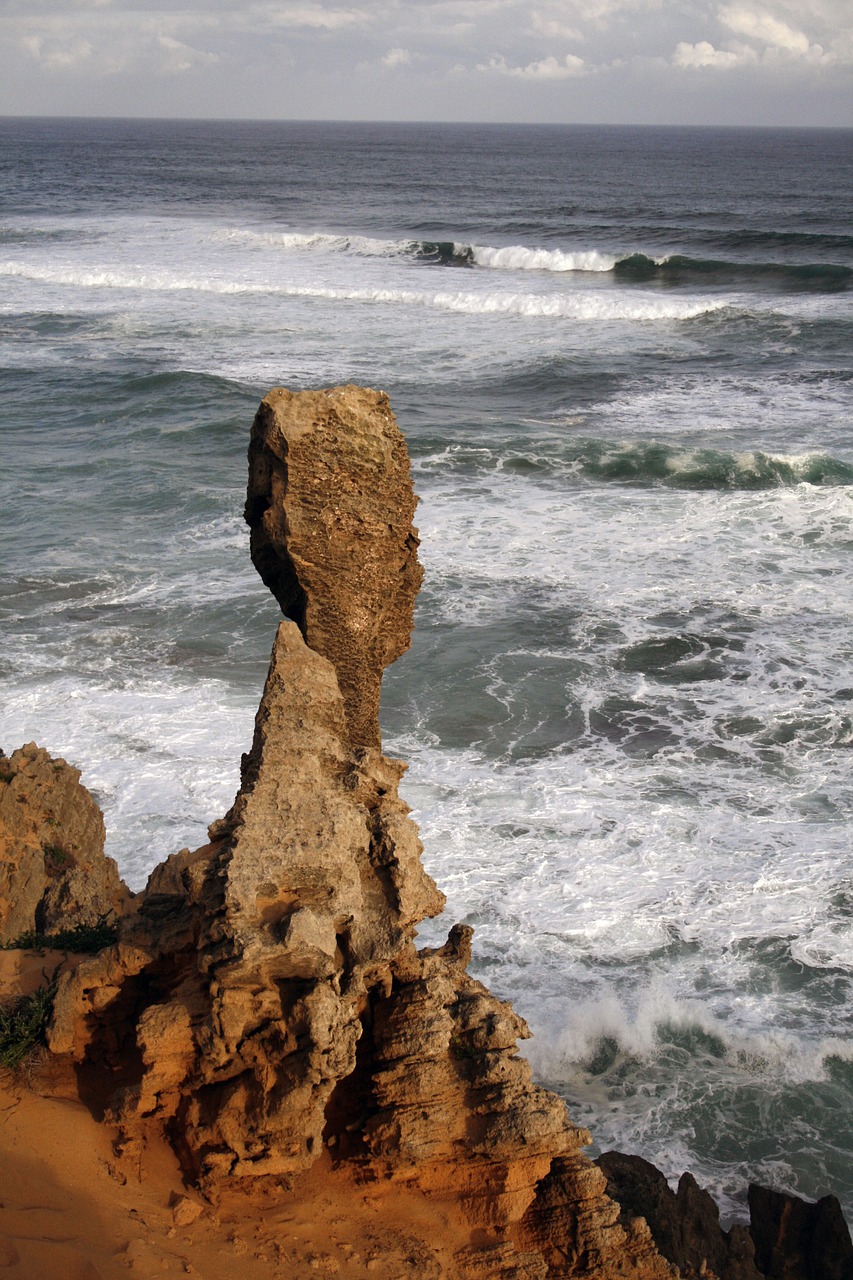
x: 799, y: 1240
x: 54, y: 873
x: 685, y: 1224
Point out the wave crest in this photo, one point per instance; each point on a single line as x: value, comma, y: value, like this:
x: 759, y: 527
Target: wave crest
x: 637, y: 266
x: 653, y: 463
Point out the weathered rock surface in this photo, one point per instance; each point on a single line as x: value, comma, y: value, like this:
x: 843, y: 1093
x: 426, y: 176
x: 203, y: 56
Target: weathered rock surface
x: 330, y: 506
x: 577, y: 1228
x: 798, y: 1240
x: 685, y: 1223
x: 267, y: 998
x: 53, y: 870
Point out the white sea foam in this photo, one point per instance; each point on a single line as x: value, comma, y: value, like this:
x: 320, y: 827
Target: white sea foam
x: 663, y: 1077
x: 519, y: 258
x: 644, y: 1032
x: 827, y: 946
x: 318, y: 241
x: 573, y: 306
x: 505, y: 258
x: 722, y: 404
x: 156, y: 771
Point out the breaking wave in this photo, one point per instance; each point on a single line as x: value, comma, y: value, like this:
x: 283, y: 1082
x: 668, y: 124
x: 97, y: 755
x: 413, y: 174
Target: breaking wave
x: 662, y: 464
x: 673, y: 268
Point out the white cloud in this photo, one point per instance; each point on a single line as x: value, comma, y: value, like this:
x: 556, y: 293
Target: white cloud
x: 547, y: 69
x: 553, y: 27
x: 181, y: 57
x: 114, y: 45
x: 57, y: 54
x: 304, y: 16
x: 397, y: 58
x: 704, y: 54
x: 757, y: 24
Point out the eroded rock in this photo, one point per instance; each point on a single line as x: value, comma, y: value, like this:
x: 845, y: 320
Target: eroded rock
x: 796, y: 1239
x: 53, y: 870
x: 685, y: 1223
x: 330, y: 505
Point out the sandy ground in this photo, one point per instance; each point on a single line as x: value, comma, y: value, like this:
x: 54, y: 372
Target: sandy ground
x: 72, y: 1209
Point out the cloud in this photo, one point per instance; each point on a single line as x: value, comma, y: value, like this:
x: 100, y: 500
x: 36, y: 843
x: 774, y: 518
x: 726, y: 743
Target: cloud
x: 113, y: 46
x: 599, y: 13
x: 397, y: 58
x: 57, y: 54
x: 704, y: 54
x: 553, y: 27
x: 774, y: 38
x: 549, y: 68
x: 272, y: 16
x: 640, y: 58
x: 757, y: 24
x: 181, y: 57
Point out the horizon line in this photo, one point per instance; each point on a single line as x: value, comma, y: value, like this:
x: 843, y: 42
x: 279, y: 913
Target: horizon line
x: 498, y: 124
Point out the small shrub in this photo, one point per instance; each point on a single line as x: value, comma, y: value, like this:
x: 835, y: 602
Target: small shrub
x: 23, y: 1022
x: 56, y: 859
x: 83, y: 938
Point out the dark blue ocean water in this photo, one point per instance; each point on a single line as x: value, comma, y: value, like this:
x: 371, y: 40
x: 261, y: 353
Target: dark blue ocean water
x: 622, y: 361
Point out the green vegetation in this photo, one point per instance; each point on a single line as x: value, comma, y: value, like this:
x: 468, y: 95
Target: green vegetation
x: 56, y: 859
x: 23, y: 1022
x: 86, y: 938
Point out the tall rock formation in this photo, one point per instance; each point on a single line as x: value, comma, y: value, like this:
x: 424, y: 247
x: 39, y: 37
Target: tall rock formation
x: 330, y: 506
x: 266, y: 1003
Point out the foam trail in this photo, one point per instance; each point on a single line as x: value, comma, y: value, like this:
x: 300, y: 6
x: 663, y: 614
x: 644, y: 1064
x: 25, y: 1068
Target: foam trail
x: 322, y: 241
x: 574, y: 306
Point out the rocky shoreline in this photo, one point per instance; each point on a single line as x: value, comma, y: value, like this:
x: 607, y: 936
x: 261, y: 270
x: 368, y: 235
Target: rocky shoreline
x: 263, y: 1010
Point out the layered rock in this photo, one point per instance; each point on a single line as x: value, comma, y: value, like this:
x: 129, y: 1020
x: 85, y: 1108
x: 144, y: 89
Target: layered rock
x: 53, y: 871
x: 330, y: 507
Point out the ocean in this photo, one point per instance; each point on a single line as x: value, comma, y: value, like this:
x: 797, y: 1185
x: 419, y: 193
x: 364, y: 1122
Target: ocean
x: 622, y: 361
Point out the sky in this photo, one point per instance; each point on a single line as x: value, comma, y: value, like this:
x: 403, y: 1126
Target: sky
x: 739, y: 62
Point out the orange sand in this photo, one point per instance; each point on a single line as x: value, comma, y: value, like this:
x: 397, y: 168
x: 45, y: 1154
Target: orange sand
x: 71, y: 1209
